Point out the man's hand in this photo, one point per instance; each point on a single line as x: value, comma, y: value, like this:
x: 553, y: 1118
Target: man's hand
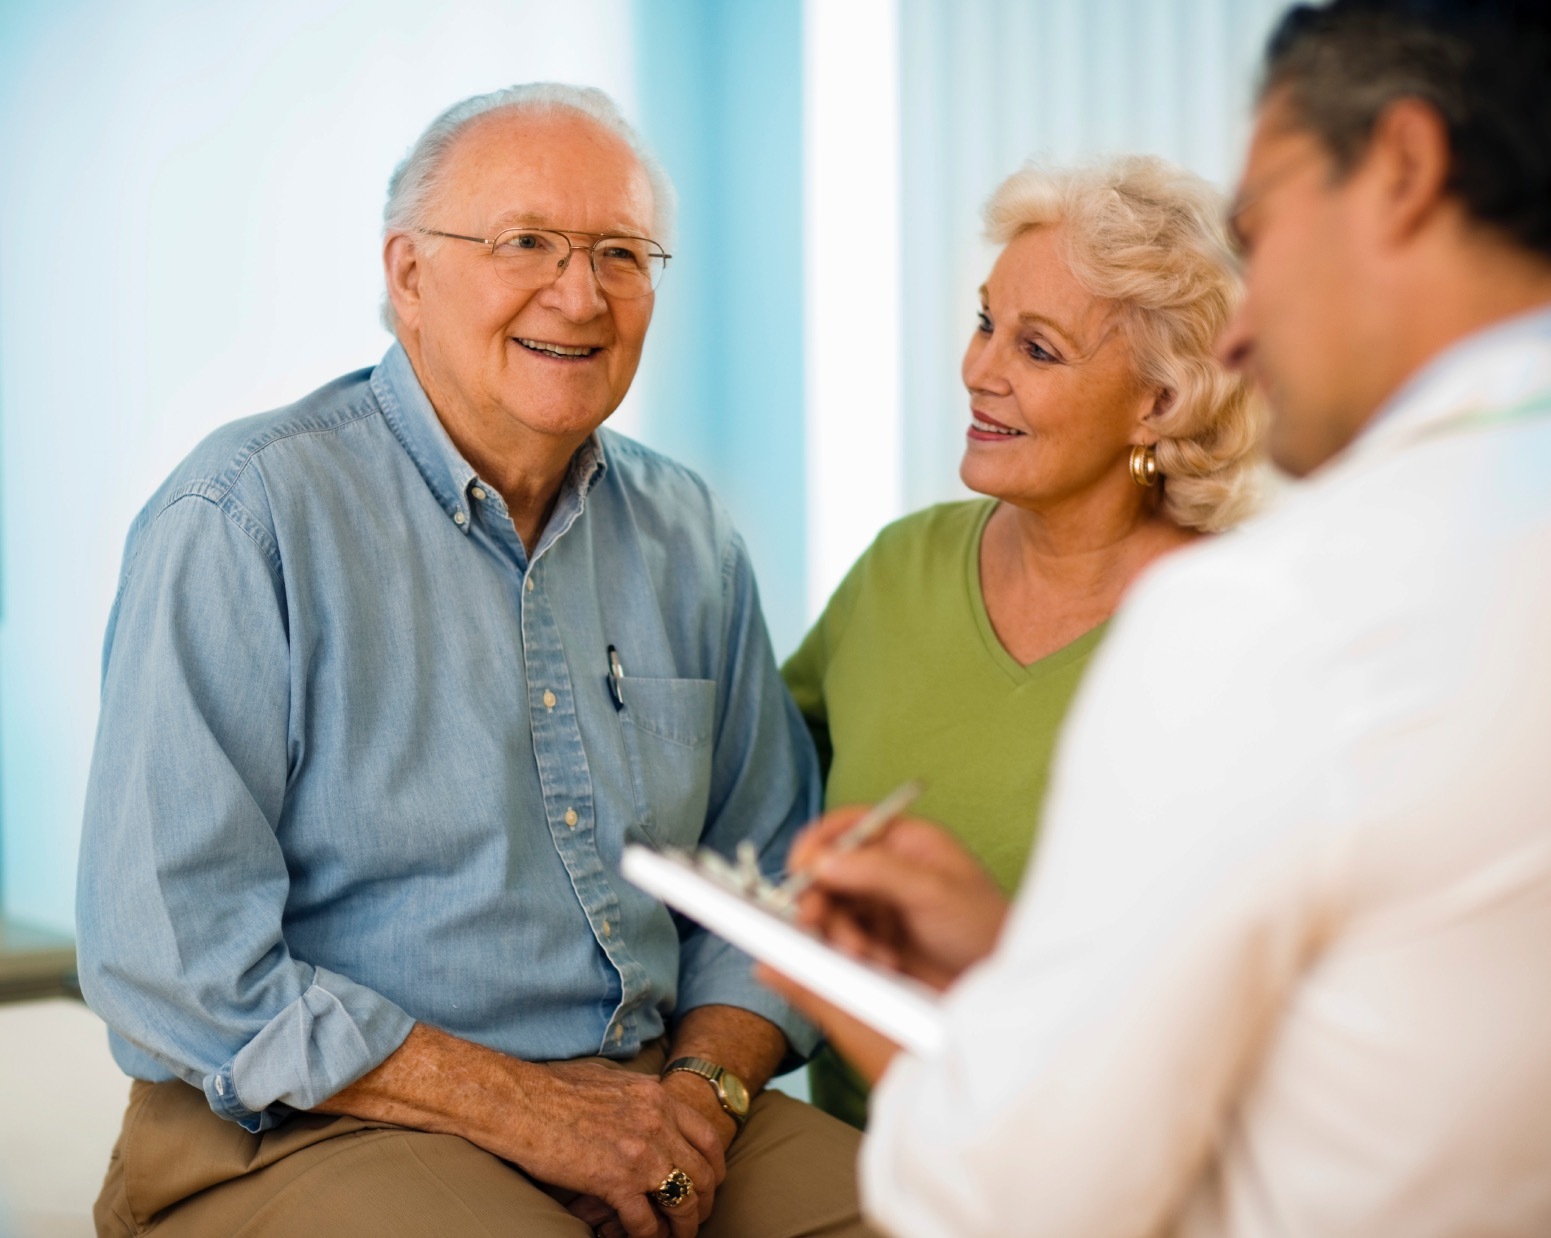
x: 601, y: 1132
x: 913, y: 899
x: 597, y: 1212
x: 737, y: 1040
x: 613, y: 1135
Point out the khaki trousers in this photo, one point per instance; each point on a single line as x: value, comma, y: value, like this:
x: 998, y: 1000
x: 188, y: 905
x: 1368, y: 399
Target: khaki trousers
x: 178, y: 1171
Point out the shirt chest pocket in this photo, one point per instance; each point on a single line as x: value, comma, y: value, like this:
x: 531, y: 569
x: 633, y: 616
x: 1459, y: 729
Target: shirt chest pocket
x: 666, y: 726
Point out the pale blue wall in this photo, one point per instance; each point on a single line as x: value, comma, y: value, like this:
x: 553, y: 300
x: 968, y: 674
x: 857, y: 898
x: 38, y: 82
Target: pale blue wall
x: 720, y: 90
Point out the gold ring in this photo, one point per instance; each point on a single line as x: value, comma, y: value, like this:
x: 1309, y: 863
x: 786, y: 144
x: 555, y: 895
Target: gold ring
x: 674, y: 1189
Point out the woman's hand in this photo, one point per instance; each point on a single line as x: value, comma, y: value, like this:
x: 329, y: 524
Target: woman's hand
x: 912, y: 899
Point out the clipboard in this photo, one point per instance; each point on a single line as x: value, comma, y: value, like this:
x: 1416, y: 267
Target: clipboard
x: 905, y: 1010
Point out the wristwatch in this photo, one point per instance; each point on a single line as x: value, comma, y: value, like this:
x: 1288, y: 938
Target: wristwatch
x: 730, y: 1090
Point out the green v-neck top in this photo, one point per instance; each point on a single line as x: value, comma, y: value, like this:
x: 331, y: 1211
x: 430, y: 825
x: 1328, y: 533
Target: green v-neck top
x: 904, y: 677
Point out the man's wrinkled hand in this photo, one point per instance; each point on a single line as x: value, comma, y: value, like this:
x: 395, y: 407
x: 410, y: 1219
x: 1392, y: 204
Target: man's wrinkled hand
x: 698, y: 1093
x: 612, y: 1136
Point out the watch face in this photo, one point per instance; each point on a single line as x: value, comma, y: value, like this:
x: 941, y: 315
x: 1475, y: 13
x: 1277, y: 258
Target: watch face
x: 737, y: 1095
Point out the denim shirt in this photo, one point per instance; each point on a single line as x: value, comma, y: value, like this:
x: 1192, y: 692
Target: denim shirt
x: 359, y: 763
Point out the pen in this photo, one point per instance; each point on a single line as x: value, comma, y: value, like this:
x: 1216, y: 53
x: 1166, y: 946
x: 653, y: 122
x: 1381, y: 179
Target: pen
x: 868, y: 824
x: 616, y: 680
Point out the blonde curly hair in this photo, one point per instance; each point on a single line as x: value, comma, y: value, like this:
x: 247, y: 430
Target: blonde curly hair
x: 1148, y: 235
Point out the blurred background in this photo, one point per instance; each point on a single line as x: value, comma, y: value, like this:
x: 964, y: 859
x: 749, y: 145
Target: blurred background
x: 190, y: 204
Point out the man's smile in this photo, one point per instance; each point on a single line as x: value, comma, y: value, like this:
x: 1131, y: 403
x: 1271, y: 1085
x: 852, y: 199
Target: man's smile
x: 556, y: 350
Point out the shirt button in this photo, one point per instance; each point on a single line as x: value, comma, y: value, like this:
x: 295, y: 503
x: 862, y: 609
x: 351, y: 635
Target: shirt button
x: 528, y: 584
x: 549, y: 699
x: 619, y: 1031
x: 570, y: 817
x: 220, y: 1086
x: 608, y: 929
x: 478, y: 494
x: 459, y: 518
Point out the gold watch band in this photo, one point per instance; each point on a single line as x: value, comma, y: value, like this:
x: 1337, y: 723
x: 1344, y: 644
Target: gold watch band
x: 731, y: 1093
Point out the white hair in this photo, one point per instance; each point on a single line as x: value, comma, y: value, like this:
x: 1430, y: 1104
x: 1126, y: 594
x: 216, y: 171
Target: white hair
x: 415, y: 183
x: 1148, y: 235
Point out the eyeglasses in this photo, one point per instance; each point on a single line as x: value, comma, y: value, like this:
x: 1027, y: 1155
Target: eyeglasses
x: 626, y: 266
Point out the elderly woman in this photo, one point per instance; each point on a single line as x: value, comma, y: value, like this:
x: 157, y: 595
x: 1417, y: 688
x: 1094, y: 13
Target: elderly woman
x: 1104, y: 435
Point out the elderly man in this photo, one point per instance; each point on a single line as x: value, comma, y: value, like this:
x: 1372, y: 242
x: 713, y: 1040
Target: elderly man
x: 1284, y: 964
x: 391, y: 677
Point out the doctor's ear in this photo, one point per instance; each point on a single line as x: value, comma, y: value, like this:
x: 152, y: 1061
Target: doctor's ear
x: 1409, y: 162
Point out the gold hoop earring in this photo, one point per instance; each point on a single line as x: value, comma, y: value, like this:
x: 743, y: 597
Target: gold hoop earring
x: 1144, y: 465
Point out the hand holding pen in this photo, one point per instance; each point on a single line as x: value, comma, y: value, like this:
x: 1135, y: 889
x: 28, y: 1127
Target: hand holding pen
x: 915, y: 901
x: 865, y: 827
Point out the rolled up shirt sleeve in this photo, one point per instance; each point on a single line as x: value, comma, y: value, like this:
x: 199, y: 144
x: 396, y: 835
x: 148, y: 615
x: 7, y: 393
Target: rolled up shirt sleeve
x: 183, y: 884
x: 764, y: 787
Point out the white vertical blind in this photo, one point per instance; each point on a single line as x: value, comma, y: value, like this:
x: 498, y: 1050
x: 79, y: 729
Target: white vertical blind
x: 852, y: 278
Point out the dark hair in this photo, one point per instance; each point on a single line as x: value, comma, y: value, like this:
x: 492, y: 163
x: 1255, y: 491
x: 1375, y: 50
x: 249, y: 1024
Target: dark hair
x: 1485, y: 66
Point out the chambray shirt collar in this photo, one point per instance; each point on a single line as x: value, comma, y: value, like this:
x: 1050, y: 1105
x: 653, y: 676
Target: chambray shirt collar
x: 408, y: 413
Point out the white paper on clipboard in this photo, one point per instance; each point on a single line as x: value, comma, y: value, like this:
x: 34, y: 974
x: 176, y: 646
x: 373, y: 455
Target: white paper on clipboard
x: 904, y: 1010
